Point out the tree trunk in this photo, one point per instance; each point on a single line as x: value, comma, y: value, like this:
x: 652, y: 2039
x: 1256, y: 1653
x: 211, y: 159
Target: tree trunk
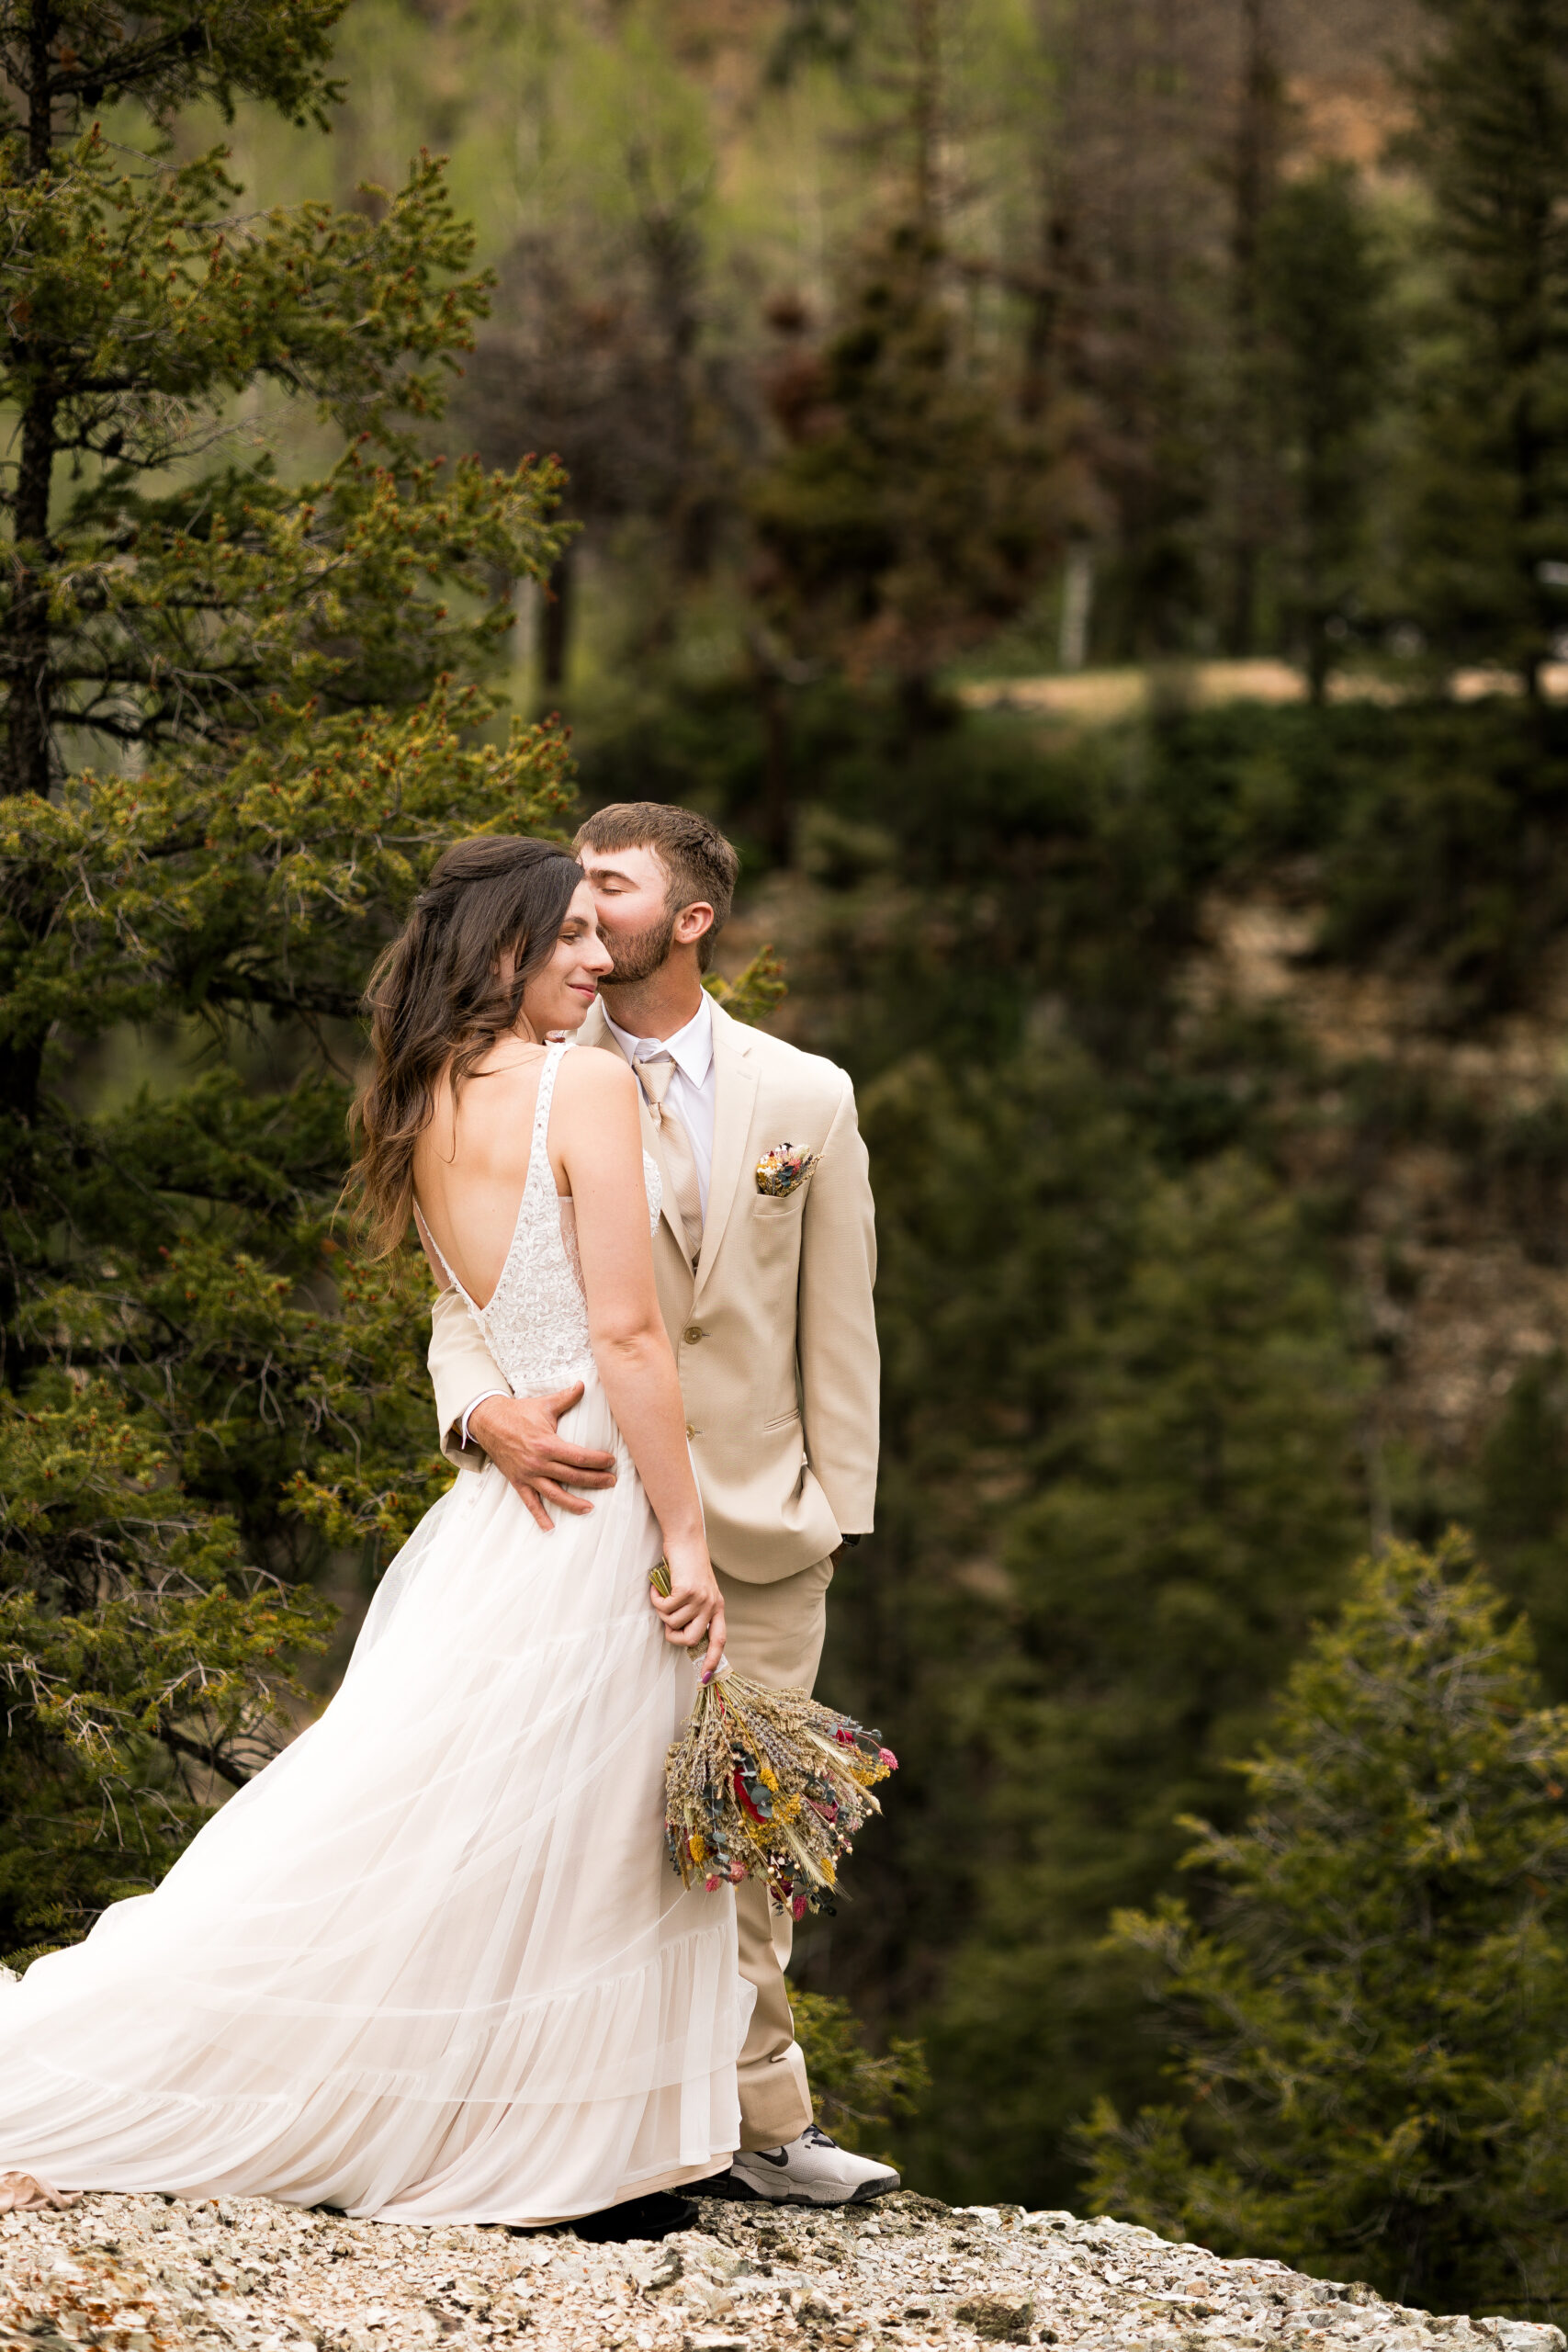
x: 1043, y: 369
x: 1077, y: 606
x: 28, y: 670
x: 1257, y: 160
x: 555, y: 624
x: 920, y: 707
x: 1528, y: 440
x: 1529, y: 335
x: 672, y: 248
x: 777, y: 814
x: 26, y: 655
x: 925, y: 115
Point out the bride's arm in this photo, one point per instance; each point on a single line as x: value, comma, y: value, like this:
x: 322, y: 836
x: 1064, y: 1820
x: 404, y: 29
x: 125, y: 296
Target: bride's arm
x: 597, y: 1136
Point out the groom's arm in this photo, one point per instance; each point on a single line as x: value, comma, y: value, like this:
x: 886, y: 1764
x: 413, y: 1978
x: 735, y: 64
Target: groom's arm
x: 517, y: 1434
x: 839, y: 1365
x: 461, y: 1368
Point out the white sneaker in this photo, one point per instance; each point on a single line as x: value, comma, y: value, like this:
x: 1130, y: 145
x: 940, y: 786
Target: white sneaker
x: 812, y: 2170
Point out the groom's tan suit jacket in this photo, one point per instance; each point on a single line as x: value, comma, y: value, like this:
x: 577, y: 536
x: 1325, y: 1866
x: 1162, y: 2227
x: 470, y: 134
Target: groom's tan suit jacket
x: 774, y: 1332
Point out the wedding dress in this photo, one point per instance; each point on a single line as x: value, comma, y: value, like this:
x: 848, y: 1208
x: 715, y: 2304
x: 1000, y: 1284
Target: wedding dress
x: 433, y: 1963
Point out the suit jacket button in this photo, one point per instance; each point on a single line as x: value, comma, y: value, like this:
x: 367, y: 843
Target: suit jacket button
x: 690, y: 1431
x: 691, y: 1334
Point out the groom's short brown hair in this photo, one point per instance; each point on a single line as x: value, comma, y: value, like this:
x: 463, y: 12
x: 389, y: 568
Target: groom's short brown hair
x: 700, y: 862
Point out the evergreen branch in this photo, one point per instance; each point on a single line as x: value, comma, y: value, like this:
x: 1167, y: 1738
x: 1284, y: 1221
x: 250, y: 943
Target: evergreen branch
x: 204, y: 1752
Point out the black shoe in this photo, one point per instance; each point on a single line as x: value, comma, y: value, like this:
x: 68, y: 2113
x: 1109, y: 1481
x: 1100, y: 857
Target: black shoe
x: 658, y: 2216
x: 721, y: 2183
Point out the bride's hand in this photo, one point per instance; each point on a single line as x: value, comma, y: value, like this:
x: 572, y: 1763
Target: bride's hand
x: 693, y: 1606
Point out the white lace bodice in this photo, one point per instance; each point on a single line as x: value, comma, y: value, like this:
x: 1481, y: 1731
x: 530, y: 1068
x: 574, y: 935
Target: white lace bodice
x: 536, y: 1324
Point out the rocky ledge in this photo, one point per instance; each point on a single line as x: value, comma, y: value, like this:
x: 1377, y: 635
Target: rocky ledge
x: 145, y: 2274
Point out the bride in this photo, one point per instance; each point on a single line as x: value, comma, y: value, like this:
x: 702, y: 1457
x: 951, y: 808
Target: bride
x: 432, y: 1964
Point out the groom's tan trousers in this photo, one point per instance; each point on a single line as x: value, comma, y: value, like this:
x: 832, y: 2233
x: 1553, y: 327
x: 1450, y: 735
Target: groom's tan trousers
x: 775, y: 1636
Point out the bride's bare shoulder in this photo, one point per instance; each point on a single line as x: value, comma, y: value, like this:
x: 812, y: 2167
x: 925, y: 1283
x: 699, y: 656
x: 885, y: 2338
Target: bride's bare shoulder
x: 592, y: 1078
x: 491, y: 1110
x: 596, y: 1127
x: 507, y: 1076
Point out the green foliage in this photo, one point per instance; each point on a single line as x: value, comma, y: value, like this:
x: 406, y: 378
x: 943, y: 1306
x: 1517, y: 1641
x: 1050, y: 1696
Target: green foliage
x: 215, y: 610
x: 1002, y: 1203
x: 1492, y: 499
x: 1522, y: 1508
x: 1438, y: 838
x: 136, y: 1640
x: 167, y: 56
x: 754, y: 992
x: 1452, y: 848
x: 1189, y: 1500
x: 908, y: 516
x: 858, y: 2096
x: 1371, y: 2040
x: 1326, y: 290
x: 202, y: 1390
x: 258, y: 882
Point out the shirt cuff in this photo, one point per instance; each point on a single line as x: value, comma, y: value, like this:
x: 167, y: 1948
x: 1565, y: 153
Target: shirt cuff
x: 472, y: 1407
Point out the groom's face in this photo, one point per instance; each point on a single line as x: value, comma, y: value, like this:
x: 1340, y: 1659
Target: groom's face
x: 631, y: 892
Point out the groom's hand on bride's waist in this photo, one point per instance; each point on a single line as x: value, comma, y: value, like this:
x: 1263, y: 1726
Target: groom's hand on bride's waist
x: 520, y: 1437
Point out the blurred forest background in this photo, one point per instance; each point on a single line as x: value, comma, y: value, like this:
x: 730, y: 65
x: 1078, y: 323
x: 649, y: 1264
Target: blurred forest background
x: 1080, y: 493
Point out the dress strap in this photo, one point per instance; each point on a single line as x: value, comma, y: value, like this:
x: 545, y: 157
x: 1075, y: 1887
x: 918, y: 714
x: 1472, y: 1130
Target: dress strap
x: 538, y: 1148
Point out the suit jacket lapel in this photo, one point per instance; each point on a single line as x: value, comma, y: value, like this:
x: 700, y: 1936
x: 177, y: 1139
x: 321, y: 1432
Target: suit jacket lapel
x: 596, y: 1031
x: 736, y: 1091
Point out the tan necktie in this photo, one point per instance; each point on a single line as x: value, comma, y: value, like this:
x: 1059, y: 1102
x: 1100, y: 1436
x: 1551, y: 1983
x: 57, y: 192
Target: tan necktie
x: 655, y: 1075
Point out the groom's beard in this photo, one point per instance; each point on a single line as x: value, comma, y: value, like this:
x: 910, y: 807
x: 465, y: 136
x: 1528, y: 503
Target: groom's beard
x: 638, y: 957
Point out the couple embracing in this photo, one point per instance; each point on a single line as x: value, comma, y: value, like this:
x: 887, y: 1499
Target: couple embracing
x: 432, y: 1964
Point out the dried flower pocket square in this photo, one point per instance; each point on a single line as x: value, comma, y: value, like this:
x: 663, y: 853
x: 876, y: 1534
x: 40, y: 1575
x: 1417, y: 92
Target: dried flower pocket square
x: 783, y: 1170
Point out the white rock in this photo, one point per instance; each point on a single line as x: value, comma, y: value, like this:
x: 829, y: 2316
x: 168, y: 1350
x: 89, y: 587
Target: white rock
x: 271, y: 2280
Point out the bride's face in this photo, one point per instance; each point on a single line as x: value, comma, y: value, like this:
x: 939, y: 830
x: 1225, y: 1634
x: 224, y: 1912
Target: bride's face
x: 561, y: 990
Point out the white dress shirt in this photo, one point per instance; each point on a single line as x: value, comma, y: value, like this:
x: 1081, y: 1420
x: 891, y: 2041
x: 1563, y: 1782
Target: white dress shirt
x: 693, y: 1091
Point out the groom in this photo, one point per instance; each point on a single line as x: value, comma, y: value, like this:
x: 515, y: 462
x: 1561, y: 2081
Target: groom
x: 766, y: 1295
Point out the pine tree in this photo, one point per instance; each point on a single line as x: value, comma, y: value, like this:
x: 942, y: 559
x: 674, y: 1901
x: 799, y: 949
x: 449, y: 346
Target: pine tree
x: 1003, y: 1200
x: 241, y: 718
x: 1521, y: 1510
x: 1190, y: 1502
x: 1371, y: 2040
x: 907, y: 517
x: 1325, y: 370
x: 1490, y: 557
x: 856, y: 2094
x: 1119, y: 1486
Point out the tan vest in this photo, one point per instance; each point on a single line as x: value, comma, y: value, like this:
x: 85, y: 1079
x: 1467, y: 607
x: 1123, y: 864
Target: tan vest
x: 774, y: 1333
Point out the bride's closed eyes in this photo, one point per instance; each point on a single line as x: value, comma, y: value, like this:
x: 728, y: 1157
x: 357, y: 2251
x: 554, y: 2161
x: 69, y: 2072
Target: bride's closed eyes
x: 560, y: 993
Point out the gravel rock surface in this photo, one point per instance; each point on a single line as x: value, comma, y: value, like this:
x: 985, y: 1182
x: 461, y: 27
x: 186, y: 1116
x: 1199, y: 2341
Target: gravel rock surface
x: 147, y: 2273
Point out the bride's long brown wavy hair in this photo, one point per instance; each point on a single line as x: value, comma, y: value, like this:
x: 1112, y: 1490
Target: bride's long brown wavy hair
x: 438, y: 1001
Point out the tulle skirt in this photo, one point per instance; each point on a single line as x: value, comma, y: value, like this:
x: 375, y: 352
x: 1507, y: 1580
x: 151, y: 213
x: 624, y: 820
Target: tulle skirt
x: 432, y: 1964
